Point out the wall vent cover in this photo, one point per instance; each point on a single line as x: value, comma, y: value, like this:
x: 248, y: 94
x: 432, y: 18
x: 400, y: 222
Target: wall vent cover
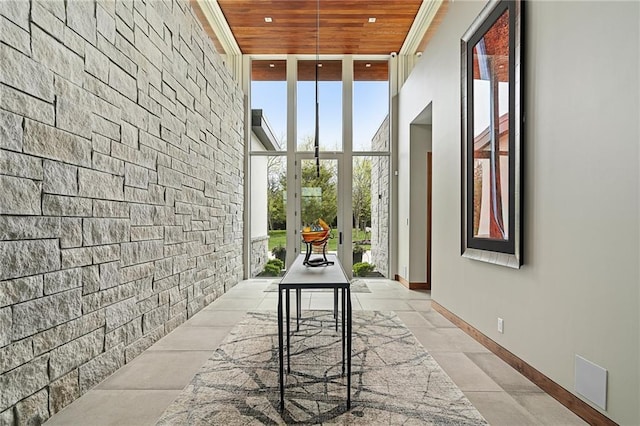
x: 591, y: 382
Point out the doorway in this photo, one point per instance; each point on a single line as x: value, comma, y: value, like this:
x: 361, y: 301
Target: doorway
x: 318, y: 189
x: 418, y: 230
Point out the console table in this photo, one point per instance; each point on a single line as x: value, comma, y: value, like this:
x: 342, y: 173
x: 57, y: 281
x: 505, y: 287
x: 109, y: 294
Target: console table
x: 300, y: 277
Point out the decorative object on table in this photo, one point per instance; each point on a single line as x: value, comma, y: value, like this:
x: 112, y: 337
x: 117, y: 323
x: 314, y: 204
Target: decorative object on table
x: 316, y: 235
x: 238, y: 385
x: 492, y: 132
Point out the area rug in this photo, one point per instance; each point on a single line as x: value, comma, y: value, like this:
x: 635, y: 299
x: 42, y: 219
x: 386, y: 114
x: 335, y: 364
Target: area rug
x: 357, y: 286
x: 394, y: 380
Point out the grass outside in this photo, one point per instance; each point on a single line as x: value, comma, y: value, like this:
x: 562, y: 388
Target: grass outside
x: 279, y: 238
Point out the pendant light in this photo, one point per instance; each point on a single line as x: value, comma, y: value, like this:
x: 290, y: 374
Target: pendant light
x: 316, y: 143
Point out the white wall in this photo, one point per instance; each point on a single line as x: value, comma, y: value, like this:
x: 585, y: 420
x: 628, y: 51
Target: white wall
x: 578, y: 291
x: 258, y: 190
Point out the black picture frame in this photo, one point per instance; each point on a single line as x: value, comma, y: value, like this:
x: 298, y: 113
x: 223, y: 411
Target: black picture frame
x: 492, y: 129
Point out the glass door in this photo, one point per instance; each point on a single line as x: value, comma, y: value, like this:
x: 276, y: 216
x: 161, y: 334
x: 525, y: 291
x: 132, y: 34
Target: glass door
x: 319, y: 201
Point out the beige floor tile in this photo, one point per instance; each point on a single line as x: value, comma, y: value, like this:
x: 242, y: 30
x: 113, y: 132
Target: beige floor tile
x: 382, y: 283
x: 413, y: 319
x: 115, y: 408
x: 503, y: 374
x: 246, y: 293
x: 398, y: 292
x: 255, y: 282
x: 464, y: 373
x: 423, y: 305
x: 546, y: 410
x: 436, y: 319
x: 420, y: 294
x: 271, y: 295
x: 214, y: 318
x: 192, y: 339
x: 160, y: 370
x: 500, y: 409
x: 234, y: 304
x: 447, y: 340
x: 372, y: 304
x: 386, y: 293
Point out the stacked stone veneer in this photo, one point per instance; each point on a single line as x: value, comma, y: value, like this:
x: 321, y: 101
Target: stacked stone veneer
x: 380, y: 201
x: 120, y: 189
x: 259, y: 254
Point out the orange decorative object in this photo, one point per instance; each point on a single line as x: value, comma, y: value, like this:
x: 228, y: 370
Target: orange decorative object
x: 324, y: 225
x: 314, y: 236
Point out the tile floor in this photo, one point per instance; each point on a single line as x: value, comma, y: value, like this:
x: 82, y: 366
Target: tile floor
x: 139, y: 392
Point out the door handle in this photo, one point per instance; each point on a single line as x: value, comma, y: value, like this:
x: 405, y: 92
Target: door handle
x: 340, y: 237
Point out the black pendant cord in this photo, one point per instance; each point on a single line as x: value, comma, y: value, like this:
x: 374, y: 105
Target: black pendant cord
x: 317, y: 135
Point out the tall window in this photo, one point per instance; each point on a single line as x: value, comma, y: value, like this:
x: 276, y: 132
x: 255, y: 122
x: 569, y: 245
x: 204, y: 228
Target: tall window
x: 269, y: 97
x: 369, y: 158
x: 268, y: 146
x: 370, y: 104
x: 370, y: 203
x: 370, y: 188
x: 330, y: 100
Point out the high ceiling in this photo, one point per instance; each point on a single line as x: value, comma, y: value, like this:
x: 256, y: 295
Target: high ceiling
x: 344, y: 25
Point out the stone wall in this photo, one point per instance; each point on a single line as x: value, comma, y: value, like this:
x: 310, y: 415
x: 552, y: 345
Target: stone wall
x: 259, y: 254
x: 120, y: 189
x: 380, y: 201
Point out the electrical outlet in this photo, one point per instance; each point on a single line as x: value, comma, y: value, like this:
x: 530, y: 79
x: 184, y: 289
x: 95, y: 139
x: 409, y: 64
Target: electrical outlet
x: 500, y: 325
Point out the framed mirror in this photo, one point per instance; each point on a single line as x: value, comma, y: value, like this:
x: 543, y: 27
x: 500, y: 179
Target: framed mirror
x: 492, y: 125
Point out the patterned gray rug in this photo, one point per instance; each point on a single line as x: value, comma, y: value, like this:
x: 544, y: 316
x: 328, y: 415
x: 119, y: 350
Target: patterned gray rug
x: 357, y: 286
x: 394, y: 379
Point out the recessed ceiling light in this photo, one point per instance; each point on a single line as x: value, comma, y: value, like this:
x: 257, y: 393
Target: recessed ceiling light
x: 319, y: 65
x: 268, y: 19
x: 272, y: 65
x: 372, y: 20
x: 367, y: 65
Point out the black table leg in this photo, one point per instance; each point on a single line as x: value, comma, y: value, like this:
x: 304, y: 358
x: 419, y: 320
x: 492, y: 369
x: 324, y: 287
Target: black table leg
x: 288, y: 301
x: 343, y: 329
x: 298, y: 308
x: 349, y: 330
x: 335, y: 306
x: 280, y: 350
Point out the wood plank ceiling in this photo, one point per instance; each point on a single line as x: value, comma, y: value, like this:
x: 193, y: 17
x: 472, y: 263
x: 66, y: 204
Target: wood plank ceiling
x: 344, y: 25
x: 276, y: 70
